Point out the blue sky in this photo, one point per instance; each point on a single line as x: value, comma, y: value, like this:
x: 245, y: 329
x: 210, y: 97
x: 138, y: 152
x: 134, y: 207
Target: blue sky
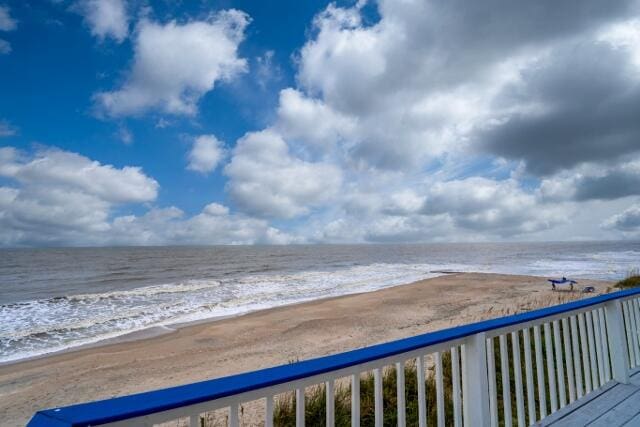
x: 170, y: 122
x: 50, y: 78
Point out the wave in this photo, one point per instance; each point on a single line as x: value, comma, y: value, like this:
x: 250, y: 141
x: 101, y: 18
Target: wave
x: 36, y: 327
x: 32, y: 328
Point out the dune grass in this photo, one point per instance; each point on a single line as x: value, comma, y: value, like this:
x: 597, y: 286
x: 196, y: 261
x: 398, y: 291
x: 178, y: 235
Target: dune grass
x: 631, y: 281
x: 315, y: 399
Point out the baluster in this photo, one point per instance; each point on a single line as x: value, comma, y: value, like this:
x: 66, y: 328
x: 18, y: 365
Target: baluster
x: 493, y: 389
x: 576, y: 356
x: 268, y: 416
x: 233, y: 415
x: 627, y: 327
x: 528, y: 368
x: 633, y: 331
x: 635, y: 306
x: 559, y: 365
x: 330, y: 405
x: 422, y: 400
x: 598, y: 341
x: 568, y: 354
x: 551, y: 372
x: 400, y: 394
x: 506, y: 384
x: 377, y: 381
x: 439, y: 390
x: 605, y: 345
x: 592, y: 351
x: 194, y: 420
x: 585, y: 353
x: 355, y: 400
x: 542, y: 395
x: 300, y: 407
x: 517, y: 374
x: 455, y: 378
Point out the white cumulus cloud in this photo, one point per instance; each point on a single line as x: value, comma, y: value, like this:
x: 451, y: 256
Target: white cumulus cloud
x: 206, y: 153
x: 266, y: 180
x: 55, y: 197
x: 105, y: 18
x: 175, y: 64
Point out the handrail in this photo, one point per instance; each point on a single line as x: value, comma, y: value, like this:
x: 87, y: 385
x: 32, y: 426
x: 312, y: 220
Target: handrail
x: 141, y: 404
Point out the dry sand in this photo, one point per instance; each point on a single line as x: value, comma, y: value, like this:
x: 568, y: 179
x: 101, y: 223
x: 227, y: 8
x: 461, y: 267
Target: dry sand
x: 266, y: 338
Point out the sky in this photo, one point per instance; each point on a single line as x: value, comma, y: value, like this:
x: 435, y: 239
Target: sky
x: 137, y: 122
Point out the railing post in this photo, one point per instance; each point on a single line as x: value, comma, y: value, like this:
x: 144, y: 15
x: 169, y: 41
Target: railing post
x: 475, y: 388
x: 617, y: 341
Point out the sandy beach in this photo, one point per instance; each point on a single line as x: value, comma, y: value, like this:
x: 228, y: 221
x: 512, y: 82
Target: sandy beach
x: 265, y: 338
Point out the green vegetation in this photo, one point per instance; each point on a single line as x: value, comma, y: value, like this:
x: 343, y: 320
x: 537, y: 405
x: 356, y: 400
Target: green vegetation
x: 315, y: 397
x: 632, y: 280
x: 315, y: 400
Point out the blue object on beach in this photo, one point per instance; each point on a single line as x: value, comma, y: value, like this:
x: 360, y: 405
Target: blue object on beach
x: 136, y: 405
x: 562, y: 281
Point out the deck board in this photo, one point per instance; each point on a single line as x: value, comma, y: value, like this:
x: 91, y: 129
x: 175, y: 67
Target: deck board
x: 617, y: 405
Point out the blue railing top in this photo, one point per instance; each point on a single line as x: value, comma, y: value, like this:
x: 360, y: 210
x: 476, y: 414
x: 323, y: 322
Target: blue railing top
x: 136, y: 405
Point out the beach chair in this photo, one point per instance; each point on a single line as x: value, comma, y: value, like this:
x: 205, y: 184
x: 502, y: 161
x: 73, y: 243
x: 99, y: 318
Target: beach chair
x: 562, y: 281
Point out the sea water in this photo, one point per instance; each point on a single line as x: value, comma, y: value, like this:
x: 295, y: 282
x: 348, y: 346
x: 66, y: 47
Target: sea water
x: 55, y: 299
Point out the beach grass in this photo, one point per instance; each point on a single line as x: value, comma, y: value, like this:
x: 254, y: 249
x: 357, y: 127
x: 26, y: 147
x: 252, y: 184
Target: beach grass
x: 631, y: 281
x: 315, y: 396
x: 315, y: 399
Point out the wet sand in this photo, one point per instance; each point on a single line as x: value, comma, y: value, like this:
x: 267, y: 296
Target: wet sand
x: 266, y: 338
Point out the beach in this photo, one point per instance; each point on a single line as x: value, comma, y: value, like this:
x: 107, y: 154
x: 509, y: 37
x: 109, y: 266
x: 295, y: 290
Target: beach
x: 188, y: 353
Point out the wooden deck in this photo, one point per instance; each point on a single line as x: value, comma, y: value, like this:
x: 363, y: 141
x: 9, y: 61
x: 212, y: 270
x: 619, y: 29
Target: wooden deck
x: 614, y: 405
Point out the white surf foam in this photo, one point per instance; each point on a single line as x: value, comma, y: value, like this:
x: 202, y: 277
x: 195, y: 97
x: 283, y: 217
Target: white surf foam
x: 42, y: 326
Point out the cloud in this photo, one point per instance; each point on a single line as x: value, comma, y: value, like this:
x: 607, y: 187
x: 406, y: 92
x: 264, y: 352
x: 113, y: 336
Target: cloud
x: 74, y: 172
x: 105, y: 18
x: 5, y: 47
x: 624, y: 35
x: 214, y: 225
x: 490, y: 206
x: 175, y: 64
x: 440, y: 121
x: 206, y: 153
x: 419, y: 80
x: 265, y: 180
x: 593, y: 181
x: 7, y: 23
x: 124, y: 135
x: 56, y: 197
x: 6, y: 129
x: 436, y: 121
x: 588, y: 98
x: 311, y: 121
x: 628, y: 220
x: 266, y: 71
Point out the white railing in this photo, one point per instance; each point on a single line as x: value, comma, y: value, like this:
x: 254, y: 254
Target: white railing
x: 514, y: 370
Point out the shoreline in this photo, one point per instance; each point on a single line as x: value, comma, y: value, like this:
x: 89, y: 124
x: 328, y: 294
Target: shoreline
x: 153, y: 331
x: 209, y: 349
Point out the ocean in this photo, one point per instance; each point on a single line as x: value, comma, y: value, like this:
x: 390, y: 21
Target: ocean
x: 56, y: 299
